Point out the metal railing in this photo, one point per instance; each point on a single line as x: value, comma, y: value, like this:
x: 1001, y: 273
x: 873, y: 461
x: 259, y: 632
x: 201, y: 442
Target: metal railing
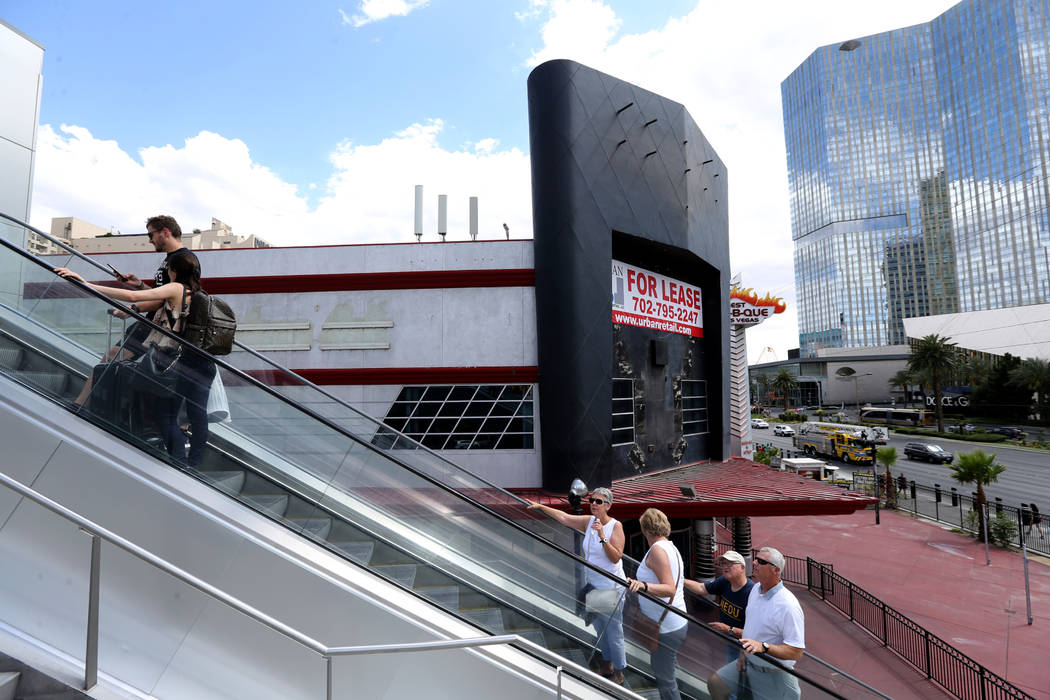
x: 942, y: 663
x: 99, y: 534
x: 796, y: 569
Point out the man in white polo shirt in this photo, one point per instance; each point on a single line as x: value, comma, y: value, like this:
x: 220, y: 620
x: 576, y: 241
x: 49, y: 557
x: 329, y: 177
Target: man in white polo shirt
x: 773, y: 627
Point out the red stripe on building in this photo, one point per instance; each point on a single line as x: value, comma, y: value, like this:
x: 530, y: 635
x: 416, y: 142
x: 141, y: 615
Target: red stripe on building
x: 401, y: 375
x: 364, y: 281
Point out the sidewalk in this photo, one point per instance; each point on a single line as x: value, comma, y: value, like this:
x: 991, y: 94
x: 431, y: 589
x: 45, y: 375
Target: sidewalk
x: 937, y: 578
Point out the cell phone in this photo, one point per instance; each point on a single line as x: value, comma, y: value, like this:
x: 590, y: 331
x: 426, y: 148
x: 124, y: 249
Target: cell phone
x: 119, y: 275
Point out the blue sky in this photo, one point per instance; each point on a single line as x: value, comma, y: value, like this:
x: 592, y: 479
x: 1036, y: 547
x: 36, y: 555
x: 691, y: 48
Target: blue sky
x: 311, y: 122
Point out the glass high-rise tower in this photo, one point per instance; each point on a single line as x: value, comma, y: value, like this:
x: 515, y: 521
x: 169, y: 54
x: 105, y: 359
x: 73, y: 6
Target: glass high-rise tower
x: 919, y: 169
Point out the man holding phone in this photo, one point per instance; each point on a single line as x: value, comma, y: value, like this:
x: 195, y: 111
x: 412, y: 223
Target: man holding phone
x: 166, y: 236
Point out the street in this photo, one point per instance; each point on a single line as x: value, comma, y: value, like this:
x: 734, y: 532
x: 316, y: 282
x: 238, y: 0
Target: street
x: 1026, y: 479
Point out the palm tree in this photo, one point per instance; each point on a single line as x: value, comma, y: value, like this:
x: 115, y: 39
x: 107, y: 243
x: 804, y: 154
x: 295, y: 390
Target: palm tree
x: 784, y: 383
x: 887, y: 456
x: 977, y: 468
x: 903, y: 379
x: 1033, y: 374
x: 937, y: 356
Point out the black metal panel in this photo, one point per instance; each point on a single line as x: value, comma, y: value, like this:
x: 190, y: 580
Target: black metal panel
x: 618, y: 171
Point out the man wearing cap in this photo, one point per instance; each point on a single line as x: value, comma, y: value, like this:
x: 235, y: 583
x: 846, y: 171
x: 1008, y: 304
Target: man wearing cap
x: 774, y: 628
x: 732, y: 589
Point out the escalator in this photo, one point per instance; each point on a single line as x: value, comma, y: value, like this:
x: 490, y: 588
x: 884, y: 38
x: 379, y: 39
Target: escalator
x: 302, y: 458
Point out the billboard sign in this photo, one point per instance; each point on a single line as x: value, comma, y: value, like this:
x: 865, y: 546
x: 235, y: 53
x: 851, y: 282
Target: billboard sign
x: 746, y: 309
x: 649, y: 300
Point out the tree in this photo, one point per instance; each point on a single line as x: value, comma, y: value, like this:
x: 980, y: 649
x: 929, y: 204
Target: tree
x: 1033, y: 374
x: 977, y: 468
x: 784, y: 383
x: 938, y: 356
x: 887, y: 456
x: 997, y: 397
x: 903, y: 379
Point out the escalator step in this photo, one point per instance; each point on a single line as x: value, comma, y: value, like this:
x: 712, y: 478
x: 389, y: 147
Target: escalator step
x: 275, y: 504
x: 48, y: 382
x: 10, y: 356
x: 361, y: 552
x: 488, y: 619
x: 317, y: 528
x: 228, y: 481
x: 443, y: 596
x: 404, y: 574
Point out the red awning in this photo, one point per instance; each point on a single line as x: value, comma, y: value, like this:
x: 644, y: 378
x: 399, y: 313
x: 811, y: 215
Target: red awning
x: 736, y: 487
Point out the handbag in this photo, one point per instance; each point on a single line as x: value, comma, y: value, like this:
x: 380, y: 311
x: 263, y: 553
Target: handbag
x: 601, y: 601
x: 156, y: 371
x: 646, y: 630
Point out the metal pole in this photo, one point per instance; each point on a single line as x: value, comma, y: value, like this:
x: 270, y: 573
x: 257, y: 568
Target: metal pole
x: 91, y: 653
x: 1027, y: 584
x: 558, y: 671
x: 328, y: 677
x: 875, y: 472
x: 987, y: 550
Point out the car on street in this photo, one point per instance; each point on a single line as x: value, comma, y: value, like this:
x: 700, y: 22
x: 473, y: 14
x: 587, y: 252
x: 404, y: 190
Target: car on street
x: 759, y: 423
x: 785, y: 430
x: 928, y: 452
x: 1010, y: 432
x: 967, y: 429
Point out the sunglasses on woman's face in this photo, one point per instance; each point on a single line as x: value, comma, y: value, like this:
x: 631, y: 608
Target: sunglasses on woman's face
x: 596, y: 501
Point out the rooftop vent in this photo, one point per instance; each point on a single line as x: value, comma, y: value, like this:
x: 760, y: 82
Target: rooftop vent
x: 849, y: 45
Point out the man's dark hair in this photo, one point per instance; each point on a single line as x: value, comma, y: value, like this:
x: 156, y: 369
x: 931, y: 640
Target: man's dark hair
x: 163, y: 221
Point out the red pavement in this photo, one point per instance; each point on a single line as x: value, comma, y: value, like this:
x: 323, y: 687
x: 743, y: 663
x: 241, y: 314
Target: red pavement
x: 934, y: 576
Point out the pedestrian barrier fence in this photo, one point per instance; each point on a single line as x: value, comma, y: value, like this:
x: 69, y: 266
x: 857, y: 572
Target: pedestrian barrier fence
x: 957, y: 673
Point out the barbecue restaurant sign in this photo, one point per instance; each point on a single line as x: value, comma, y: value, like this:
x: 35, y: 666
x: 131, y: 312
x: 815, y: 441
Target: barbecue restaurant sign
x: 747, y: 309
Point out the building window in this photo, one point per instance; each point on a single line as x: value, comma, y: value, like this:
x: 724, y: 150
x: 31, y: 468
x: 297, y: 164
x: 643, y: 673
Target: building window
x: 461, y: 417
x: 623, y: 412
x: 694, y: 407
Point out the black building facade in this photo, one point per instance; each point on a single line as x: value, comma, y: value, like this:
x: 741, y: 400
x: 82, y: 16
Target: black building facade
x: 626, y: 191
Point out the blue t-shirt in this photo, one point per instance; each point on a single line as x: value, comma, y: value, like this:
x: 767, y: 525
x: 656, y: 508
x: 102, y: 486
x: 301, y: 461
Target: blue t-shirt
x: 731, y: 604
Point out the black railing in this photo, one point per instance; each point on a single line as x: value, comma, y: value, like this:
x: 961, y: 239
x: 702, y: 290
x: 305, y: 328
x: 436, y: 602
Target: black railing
x: 796, y: 569
x: 952, y: 507
x: 942, y: 663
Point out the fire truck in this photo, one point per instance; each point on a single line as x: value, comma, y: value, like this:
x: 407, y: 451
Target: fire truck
x: 841, y: 443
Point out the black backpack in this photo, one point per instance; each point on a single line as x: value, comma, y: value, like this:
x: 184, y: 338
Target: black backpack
x: 210, y: 324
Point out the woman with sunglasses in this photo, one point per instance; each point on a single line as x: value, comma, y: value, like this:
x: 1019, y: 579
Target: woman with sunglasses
x: 603, y: 542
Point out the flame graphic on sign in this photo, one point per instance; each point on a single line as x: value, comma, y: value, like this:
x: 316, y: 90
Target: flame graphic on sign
x: 750, y: 297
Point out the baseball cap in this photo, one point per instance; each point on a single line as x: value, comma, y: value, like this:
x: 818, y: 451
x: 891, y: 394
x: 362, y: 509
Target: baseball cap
x: 731, y: 556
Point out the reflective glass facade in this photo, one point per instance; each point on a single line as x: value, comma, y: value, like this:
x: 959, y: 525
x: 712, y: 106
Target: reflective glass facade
x: 919, y: 175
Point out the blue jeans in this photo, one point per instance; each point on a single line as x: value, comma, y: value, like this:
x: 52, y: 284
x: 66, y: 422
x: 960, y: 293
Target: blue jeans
x: 610, y: 633
x: 193, y: 385
x: 663, y: 662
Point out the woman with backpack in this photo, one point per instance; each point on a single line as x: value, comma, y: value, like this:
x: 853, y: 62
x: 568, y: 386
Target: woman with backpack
x: 194, y: 371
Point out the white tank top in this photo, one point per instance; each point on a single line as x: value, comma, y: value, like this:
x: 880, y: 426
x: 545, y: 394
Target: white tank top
x: 671, y: 621
x: 594, y: 552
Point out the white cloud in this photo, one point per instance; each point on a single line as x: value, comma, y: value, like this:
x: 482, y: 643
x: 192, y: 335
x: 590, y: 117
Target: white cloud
x: 725, y: 62
x: 375, y: 10
x: 368, y: 196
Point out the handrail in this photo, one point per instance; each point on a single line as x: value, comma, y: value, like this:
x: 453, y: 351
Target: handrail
x: 306, y: 410
x: 97, y: 533
x: 906, y: 630
x: 313, y: 414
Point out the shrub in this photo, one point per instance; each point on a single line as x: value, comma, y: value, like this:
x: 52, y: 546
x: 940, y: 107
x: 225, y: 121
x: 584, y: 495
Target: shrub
x: 793, y: 417
x: 764, y: 454
x: 1002, y: 529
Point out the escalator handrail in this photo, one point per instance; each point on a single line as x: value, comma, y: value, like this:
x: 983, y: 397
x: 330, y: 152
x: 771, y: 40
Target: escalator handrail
x: 298, y: 378
x: 95, y: 530
x: 297, y: 405
x: 577, y: 560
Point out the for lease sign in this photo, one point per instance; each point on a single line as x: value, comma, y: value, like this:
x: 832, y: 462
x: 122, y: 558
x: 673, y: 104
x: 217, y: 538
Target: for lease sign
x: 647, y: 300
